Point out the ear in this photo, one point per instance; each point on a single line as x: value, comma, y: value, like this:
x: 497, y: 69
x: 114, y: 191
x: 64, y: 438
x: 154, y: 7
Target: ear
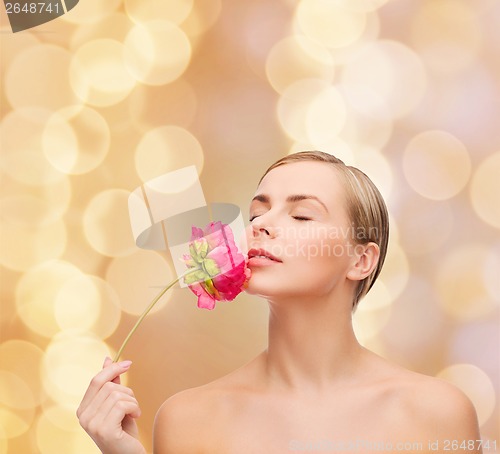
x: 365, y: 259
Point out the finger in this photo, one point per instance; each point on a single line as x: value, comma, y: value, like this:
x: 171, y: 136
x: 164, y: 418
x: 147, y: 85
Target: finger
x: 120, y: 401
x: 123, y: 408
x: 107, y: 362
x: 95, y: 406
x: 109, y: 373
x: 111, y: 414
x: 98, y: 411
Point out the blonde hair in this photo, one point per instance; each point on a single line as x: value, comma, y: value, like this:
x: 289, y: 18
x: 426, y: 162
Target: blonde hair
x: 365, y: 207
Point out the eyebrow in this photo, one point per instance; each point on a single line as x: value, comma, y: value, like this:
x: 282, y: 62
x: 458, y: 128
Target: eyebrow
x: 290, y: 199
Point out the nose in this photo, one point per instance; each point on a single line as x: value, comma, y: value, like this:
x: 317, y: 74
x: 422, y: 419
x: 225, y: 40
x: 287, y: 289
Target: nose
x: 262, y: 226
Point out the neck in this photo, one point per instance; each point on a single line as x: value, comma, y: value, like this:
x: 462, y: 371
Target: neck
x: 312, y: 345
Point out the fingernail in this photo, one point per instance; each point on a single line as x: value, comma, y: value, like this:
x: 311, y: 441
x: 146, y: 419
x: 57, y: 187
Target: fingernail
x: 125, y: 364
x: 105, y: 359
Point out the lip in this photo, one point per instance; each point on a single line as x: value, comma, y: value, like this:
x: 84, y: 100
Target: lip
x: 255, y: 260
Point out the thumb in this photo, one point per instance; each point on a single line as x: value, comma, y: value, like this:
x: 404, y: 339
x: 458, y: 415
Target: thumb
x: 107, y: 362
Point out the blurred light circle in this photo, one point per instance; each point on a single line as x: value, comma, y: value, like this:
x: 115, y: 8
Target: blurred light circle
x: 91, y: 11
x: 52, y: 89
x: 368, y: 121
x: 377, y: 298
x: 298, y: 57
x: 110, y: 311
x: 424, y: 225
x: 436, y: 164
x: 326, y: 115
x: 69, y: 363
x: 371, y: 32
x: 414, y: 326
x: 157, y: 52
x: 360, y: 5
x: 257, y: 40
x: 461, y: 284
x: 106, y: 223
x: 485, y: 188
x: 147, y: 103
x: 77, y: 304
x: 293, y: 107
x: 11, y: 48
x: 165, y: 149
x: 475, y: 343
x: 391, y: 70
x: 335, y: 146
x: 21, y: 139
x: 377, y: 168
x: 329, y: 23
x: 23, y: 359
x: 87, y: 303
x: 98, y: 73
x: 138, y: 278
x: 112, y: 26
x: 35, y: 206
x: 36, y: 293
x: 22, y: 247
x: 453, y: 50
x: 476, y: 384
x: 14, y: 392
x: 50, y: 434
x: 175, y: 11
x: 15, y: 423
x: 396, y: 270
x: 491, y: 271
x: 373, y: 312
x: 79, y: 251
x: 202, y: 17
x: 57, y: 426
x: 368, y: 322
x: 394, y: 227
x: 451, y: 108
x: 75, y: 140
x: 61, y: 417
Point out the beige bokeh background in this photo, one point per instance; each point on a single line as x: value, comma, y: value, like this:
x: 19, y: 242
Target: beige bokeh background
x: 118, y: 92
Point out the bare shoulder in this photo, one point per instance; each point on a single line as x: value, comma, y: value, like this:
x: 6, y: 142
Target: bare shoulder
x: 446, y: 410
x: 182, y: 421
x: 190, y: 420
x: 428, y: 407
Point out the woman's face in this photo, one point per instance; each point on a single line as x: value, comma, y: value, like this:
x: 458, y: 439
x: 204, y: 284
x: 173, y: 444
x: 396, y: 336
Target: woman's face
x: 299, y: 221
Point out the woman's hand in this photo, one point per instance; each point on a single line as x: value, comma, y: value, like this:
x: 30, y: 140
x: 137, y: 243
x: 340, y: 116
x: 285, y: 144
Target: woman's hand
x: 108, y: 411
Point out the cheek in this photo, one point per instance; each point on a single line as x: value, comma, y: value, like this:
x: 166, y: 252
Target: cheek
x: 319, y: 249
x: 246, y: 239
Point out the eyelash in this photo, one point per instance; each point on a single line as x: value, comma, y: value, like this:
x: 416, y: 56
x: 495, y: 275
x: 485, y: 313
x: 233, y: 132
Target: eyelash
x: 297, y: 218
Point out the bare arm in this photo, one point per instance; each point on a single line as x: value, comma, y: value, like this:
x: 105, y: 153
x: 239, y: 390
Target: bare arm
x: 108, y: 411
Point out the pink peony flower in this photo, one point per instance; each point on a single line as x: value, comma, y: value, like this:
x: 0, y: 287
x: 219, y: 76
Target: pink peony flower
x: 219, y: 271
x: 216, y: 271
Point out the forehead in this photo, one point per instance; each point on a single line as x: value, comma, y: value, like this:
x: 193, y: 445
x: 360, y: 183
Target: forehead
x: 307, y: 177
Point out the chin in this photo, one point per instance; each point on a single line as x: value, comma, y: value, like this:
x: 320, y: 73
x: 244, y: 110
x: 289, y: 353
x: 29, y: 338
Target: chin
x: 267, y: 290
x: 257, y: 287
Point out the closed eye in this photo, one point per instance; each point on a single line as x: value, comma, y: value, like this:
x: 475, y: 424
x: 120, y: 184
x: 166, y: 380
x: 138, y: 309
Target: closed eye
x: 297, y: 218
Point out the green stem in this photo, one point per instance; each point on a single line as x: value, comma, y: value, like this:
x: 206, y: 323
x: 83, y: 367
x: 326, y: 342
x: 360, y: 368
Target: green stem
x: 146, y: 311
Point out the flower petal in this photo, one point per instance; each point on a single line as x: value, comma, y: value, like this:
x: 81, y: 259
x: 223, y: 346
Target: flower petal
x: 219, y: 268
x: 206, y: 301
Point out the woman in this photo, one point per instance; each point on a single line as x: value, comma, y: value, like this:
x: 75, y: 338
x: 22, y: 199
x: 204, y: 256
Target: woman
x: 317, y: 241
